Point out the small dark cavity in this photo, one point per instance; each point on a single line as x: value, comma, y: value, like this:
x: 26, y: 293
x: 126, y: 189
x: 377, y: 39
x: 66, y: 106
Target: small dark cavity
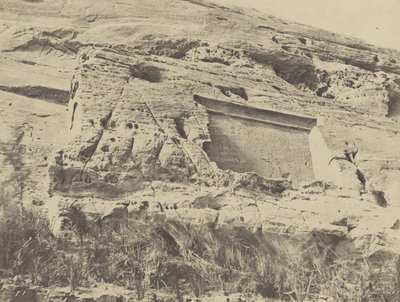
x: 308, y: 55
x: 52, y: 95
x: 87, y: 152
x: 206, y: 146
x: 148, y: 73
x: 239, y: 91
x: 274, y: 39
x: 180, y: 127
x: 276, y: 88
x: 361, y: 178
x: 74, y: 89
x: 90, y: 18
x: 40, y: 115
x: 379, y: 197
x: 303, y: 41
x: 104, y: 120
x: 201, y: 3
x: 61, y: 33
x: 320, y: 91
x: 73, y: 115
x: 175, y: 140
x: 341, y: 222
x: 329, y: 96
x: 396, y: 225
x: 204, y: 202
x: 105, y: 148
x: 84, y: 57
x: 144, y: 205
x: 129, y: 125
x: 28, y: 62
x: 216, y: 60
x: 265, y: 27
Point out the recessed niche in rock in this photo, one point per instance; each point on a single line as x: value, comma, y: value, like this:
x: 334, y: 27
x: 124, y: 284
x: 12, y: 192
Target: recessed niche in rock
x: 270, y: 143
x: 394, y: 103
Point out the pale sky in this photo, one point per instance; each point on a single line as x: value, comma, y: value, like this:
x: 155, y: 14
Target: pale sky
x: 375, y: 21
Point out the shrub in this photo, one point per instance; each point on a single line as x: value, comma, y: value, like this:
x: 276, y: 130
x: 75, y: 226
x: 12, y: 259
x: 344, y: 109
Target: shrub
x: 28, y: 247
x: 183, y: 259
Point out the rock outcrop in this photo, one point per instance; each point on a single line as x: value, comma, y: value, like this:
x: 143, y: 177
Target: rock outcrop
x: 190, y: 113
x: 142, y: 124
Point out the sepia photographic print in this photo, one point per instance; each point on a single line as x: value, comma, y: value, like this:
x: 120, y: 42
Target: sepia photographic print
x: 199, y: 150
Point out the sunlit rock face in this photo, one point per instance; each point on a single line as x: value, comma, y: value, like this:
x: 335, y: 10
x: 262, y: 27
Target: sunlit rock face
x: 140, y: 67
x: 123, y: 128
x: 245, y: 146
x: 129, y: 124
x: 137, y: 116
x: 271, y: 143
x: 201, y: 114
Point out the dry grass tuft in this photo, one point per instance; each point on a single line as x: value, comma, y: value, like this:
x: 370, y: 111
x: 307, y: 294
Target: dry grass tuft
x: 184, y: 259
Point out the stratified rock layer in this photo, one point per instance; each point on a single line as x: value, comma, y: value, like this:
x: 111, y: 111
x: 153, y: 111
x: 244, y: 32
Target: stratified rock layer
x: 176, y: 112
x: 138, y: 117
x: 158, y: 55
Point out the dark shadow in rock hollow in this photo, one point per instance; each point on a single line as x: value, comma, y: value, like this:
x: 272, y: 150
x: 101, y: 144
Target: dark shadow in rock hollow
x: 52, y: 95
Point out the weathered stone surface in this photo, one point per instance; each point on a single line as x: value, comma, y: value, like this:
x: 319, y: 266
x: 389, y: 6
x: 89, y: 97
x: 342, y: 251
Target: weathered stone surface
x: 156, y: 70
x: 135, y: 134
x: 133, y: 118
x: 139, y: 143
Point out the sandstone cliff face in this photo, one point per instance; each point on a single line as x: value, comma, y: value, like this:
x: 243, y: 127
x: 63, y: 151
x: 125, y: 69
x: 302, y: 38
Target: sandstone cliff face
x: 152, y: 120
x: 193, y: 112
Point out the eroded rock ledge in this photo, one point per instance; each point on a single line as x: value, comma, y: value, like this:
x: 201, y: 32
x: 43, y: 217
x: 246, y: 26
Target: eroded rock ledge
x: 133, y: 119
x: 153, y: 130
